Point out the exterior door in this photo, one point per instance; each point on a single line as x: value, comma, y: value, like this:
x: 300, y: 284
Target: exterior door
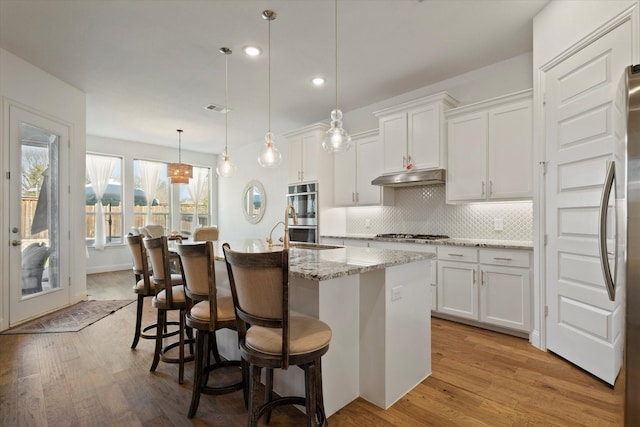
x: 583, y: 325
x: 38, y: 277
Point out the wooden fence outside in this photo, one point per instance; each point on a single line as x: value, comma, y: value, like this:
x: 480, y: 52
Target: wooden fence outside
x: 159, y: 214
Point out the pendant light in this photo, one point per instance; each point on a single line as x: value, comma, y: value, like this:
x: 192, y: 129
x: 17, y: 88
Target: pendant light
x: 179, y: 173
x: 336, y: 139
x: 225, y: 167
x: 270, y: 156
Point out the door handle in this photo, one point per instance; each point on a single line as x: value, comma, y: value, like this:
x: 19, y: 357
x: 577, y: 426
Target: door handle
x: 16, y: 243
x: 602, y: 231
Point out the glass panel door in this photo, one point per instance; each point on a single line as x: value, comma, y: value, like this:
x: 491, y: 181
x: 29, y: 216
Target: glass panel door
x: 37, y: 283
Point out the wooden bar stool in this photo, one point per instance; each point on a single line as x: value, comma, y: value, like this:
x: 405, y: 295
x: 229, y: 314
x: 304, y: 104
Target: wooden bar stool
x: 208, y: 314
x: 144, y: 288
x: 170, y: 296
x: 203, y: 234
x: 269, y: 337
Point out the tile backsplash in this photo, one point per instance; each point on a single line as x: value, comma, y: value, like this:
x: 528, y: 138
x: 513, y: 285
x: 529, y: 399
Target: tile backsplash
x: 422, y: 210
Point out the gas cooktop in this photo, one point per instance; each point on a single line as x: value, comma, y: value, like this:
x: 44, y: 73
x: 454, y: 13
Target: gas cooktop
x: 413, y: 236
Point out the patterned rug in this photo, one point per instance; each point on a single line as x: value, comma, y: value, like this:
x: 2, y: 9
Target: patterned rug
x: 70, y: 319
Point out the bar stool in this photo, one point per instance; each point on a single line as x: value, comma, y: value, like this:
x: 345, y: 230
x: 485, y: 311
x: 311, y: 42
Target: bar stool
x: 170, y: 296
x: 210, y: 313
x: 144, y: 288
x: 269, y: 337
x: 203, y: 234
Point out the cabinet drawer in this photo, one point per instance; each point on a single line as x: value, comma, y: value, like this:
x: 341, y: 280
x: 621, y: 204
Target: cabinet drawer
x: 504, y: 257
x: 457, y: 253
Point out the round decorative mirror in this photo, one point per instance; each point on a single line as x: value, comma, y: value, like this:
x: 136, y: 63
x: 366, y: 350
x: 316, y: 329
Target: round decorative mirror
x: 254, y: 201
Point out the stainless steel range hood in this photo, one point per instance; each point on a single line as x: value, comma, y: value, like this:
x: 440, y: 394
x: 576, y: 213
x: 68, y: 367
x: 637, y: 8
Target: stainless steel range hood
x: 412, y: 179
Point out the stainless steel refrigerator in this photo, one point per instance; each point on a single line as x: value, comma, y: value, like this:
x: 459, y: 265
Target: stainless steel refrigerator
x: 623, y: 250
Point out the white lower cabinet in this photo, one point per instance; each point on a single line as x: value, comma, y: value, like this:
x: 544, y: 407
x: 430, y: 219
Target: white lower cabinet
x: 504, y: 297
x: 491, y: 286
x: 457, y: 277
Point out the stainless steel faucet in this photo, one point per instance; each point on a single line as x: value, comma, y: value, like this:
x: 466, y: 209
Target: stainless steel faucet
x: 286, y: 223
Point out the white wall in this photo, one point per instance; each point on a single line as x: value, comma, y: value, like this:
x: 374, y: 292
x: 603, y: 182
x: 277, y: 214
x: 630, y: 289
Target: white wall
x: 562, y: 24
x: 32, y: 89
x: 118, y: 257
x: 501, y: 78
x: 232, y: 223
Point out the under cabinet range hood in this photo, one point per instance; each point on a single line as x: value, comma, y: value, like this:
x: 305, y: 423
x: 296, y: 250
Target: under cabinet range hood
x: 412, y: 178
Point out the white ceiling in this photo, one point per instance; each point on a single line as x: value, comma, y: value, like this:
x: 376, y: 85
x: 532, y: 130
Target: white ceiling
x: 149, y: 67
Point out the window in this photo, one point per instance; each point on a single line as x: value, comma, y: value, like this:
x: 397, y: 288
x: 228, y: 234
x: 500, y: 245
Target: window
x: 103, y: 201
x: 194, y: 202
x: 150, y: 181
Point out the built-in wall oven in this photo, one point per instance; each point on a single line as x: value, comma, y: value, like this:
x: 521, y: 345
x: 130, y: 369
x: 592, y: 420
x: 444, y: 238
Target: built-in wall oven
x: 304, y: 199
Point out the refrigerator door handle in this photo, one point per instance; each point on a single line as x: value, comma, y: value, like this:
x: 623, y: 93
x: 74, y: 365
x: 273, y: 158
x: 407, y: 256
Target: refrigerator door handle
x: 602, y: 230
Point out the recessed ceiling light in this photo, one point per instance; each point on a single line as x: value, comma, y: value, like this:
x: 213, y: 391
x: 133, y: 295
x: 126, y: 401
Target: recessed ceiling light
x: 318, y: 81
x: 252, y: 50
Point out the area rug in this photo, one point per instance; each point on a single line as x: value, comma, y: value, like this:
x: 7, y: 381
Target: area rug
x: 70, y: 319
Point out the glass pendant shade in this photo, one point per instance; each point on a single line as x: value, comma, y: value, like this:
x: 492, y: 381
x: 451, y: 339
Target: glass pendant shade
x: 336, y: 139
x: 225, y: 166
x: 270, y: 156
x: 179, y: 173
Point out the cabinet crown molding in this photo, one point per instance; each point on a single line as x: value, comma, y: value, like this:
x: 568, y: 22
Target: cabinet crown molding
x: 447, y: 100
x: 310, y: 128
x: 365, y: 134
x: 490, y: 103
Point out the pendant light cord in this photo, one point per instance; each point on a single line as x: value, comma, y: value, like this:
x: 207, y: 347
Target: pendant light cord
x: 226, y: 100
x: 179, y: 146
x: 336, y: 33
x: 269, y: 74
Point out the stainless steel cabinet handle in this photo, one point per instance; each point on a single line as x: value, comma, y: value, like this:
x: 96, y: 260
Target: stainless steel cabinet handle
x: 502, y: 259
x: 482, y: 189
x: 474, y: 276
x: 455, y: 255
x: 602, y: 230
x: 482, y: 277
x: 16, y: 243
x: 490, y: 187
x: 353, y: 196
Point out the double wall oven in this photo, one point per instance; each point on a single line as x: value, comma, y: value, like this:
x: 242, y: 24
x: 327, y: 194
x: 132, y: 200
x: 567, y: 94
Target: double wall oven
x: 304, y: 199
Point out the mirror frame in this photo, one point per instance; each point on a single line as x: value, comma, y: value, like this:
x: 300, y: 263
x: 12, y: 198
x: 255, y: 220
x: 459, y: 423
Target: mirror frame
x: 256, y: 218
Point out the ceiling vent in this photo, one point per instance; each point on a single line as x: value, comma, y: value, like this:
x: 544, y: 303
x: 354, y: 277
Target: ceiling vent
x: 217, y: 108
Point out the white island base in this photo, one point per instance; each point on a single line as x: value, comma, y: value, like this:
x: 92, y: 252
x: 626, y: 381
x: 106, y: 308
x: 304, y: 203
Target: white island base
x: 381, y: 333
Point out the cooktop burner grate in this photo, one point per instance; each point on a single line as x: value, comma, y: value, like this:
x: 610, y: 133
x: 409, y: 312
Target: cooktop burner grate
x: 413, y: 236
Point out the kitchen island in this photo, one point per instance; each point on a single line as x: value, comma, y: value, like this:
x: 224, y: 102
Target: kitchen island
x: 376, y: 302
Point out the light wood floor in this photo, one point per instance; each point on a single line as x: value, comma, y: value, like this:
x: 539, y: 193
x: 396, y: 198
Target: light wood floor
x: 92, y: 378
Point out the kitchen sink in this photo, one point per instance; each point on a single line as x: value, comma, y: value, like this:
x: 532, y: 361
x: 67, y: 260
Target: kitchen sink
x: 313, y: 246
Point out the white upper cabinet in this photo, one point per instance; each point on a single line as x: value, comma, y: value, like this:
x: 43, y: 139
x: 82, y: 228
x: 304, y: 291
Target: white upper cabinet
x: 490, y: 147
x: 413, y: 134
x: 356, y: 168
x: 305, y: 154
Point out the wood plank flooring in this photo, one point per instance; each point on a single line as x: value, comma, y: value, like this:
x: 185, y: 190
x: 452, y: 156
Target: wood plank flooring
x: 92, y: 378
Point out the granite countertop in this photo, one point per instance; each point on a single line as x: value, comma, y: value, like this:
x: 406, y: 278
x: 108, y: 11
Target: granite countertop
x: 480, y: 243
x: 325, y: 264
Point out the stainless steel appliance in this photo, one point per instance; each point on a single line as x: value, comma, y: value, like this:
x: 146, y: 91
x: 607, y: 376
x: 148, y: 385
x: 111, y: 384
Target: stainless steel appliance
x: 627, y: 268
x: 304, y: 199
x: 412, y: 178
